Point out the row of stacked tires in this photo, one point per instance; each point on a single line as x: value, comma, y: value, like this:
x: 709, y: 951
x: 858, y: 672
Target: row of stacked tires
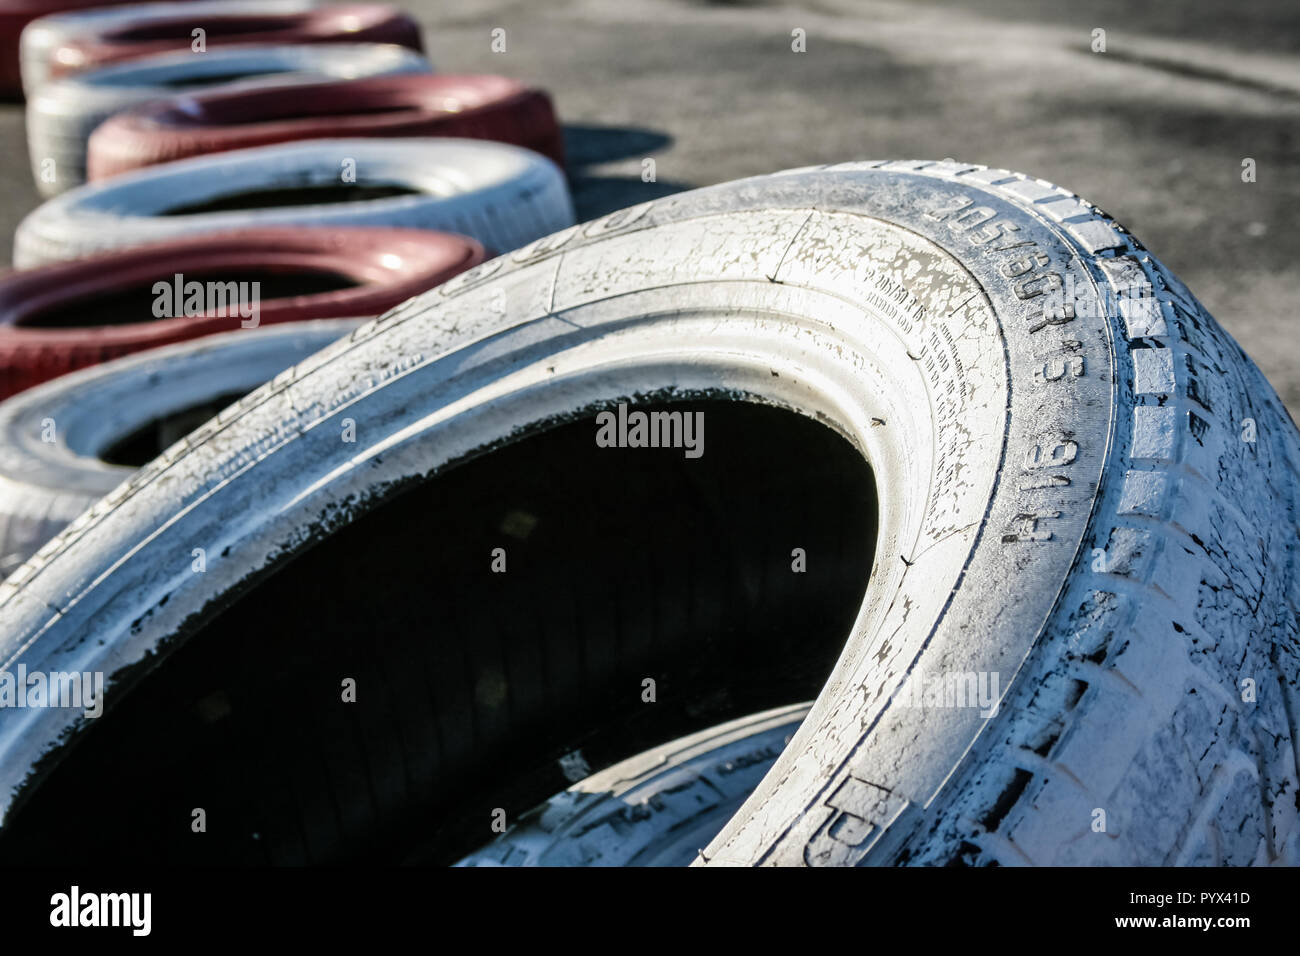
x: 309, y: 148
x: 1040, y: 571
x: 313, y: 150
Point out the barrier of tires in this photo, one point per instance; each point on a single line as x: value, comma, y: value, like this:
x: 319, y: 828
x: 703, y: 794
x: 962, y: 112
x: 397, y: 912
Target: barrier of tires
x: 109, y: 43
x: 47, y: 33
x: 502, y: 196
x: 63, y: 114
x: 473, y: 107
x: 68, y: 315
x: 67, y: 443
x: 1086, y: 542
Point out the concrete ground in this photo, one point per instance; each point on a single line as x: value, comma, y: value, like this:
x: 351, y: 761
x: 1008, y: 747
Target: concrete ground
x: 1154, y: 129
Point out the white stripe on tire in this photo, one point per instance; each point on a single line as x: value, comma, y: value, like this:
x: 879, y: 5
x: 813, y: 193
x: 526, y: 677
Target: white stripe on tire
x: 503, y: 196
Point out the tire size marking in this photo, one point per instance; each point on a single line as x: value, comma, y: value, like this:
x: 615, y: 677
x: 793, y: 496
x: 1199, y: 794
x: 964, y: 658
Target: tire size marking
x: 1048, y: 454
x: 1030, y: 270
x: 1063, y: 365
x: 1028, y: 527
x: 1028, y: 265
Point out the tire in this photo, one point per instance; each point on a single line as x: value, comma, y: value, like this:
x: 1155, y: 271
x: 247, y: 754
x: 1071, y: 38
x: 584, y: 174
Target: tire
x: 336, y: 23
x: 68, y: 315
x: 1093, y: 506
x: 156, y: 396
x: 44, y: 35
x: 15, y: 15
x: 502, y: 196
x: 655, y: 809
x: 471, y: 107
x: 61, y: 117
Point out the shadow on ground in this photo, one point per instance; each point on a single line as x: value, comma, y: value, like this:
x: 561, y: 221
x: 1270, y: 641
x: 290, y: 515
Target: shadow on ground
x: 589, y: 145
x: 596, y: 193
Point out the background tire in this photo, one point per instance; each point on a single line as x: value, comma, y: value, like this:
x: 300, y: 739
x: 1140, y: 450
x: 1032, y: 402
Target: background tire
x: 43, y: 36
x: 103, y: 419
x: 472, y: 107
x: 335, y: 23
x: 14, y: 16
x: 1087, y: 512
x: 503, y: 196
x: 61, y: 117
x: 69, y: 315
x: 655, y: 809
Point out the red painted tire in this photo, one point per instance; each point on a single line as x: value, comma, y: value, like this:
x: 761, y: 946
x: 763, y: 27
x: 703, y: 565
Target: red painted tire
x: 473, y: 107
x: 342, y: 23
x: 60, y: 317
x: 16, y: 14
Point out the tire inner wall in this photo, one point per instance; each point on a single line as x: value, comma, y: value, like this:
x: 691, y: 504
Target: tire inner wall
x: 622, y: 564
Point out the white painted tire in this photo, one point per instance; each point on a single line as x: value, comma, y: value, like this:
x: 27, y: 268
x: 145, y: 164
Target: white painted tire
x: 42, y: 36
x: 504, y: 196
x: 44, y: 484
x: 64, y: 112
x: 1095, y: 507
x: 658, y: 808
